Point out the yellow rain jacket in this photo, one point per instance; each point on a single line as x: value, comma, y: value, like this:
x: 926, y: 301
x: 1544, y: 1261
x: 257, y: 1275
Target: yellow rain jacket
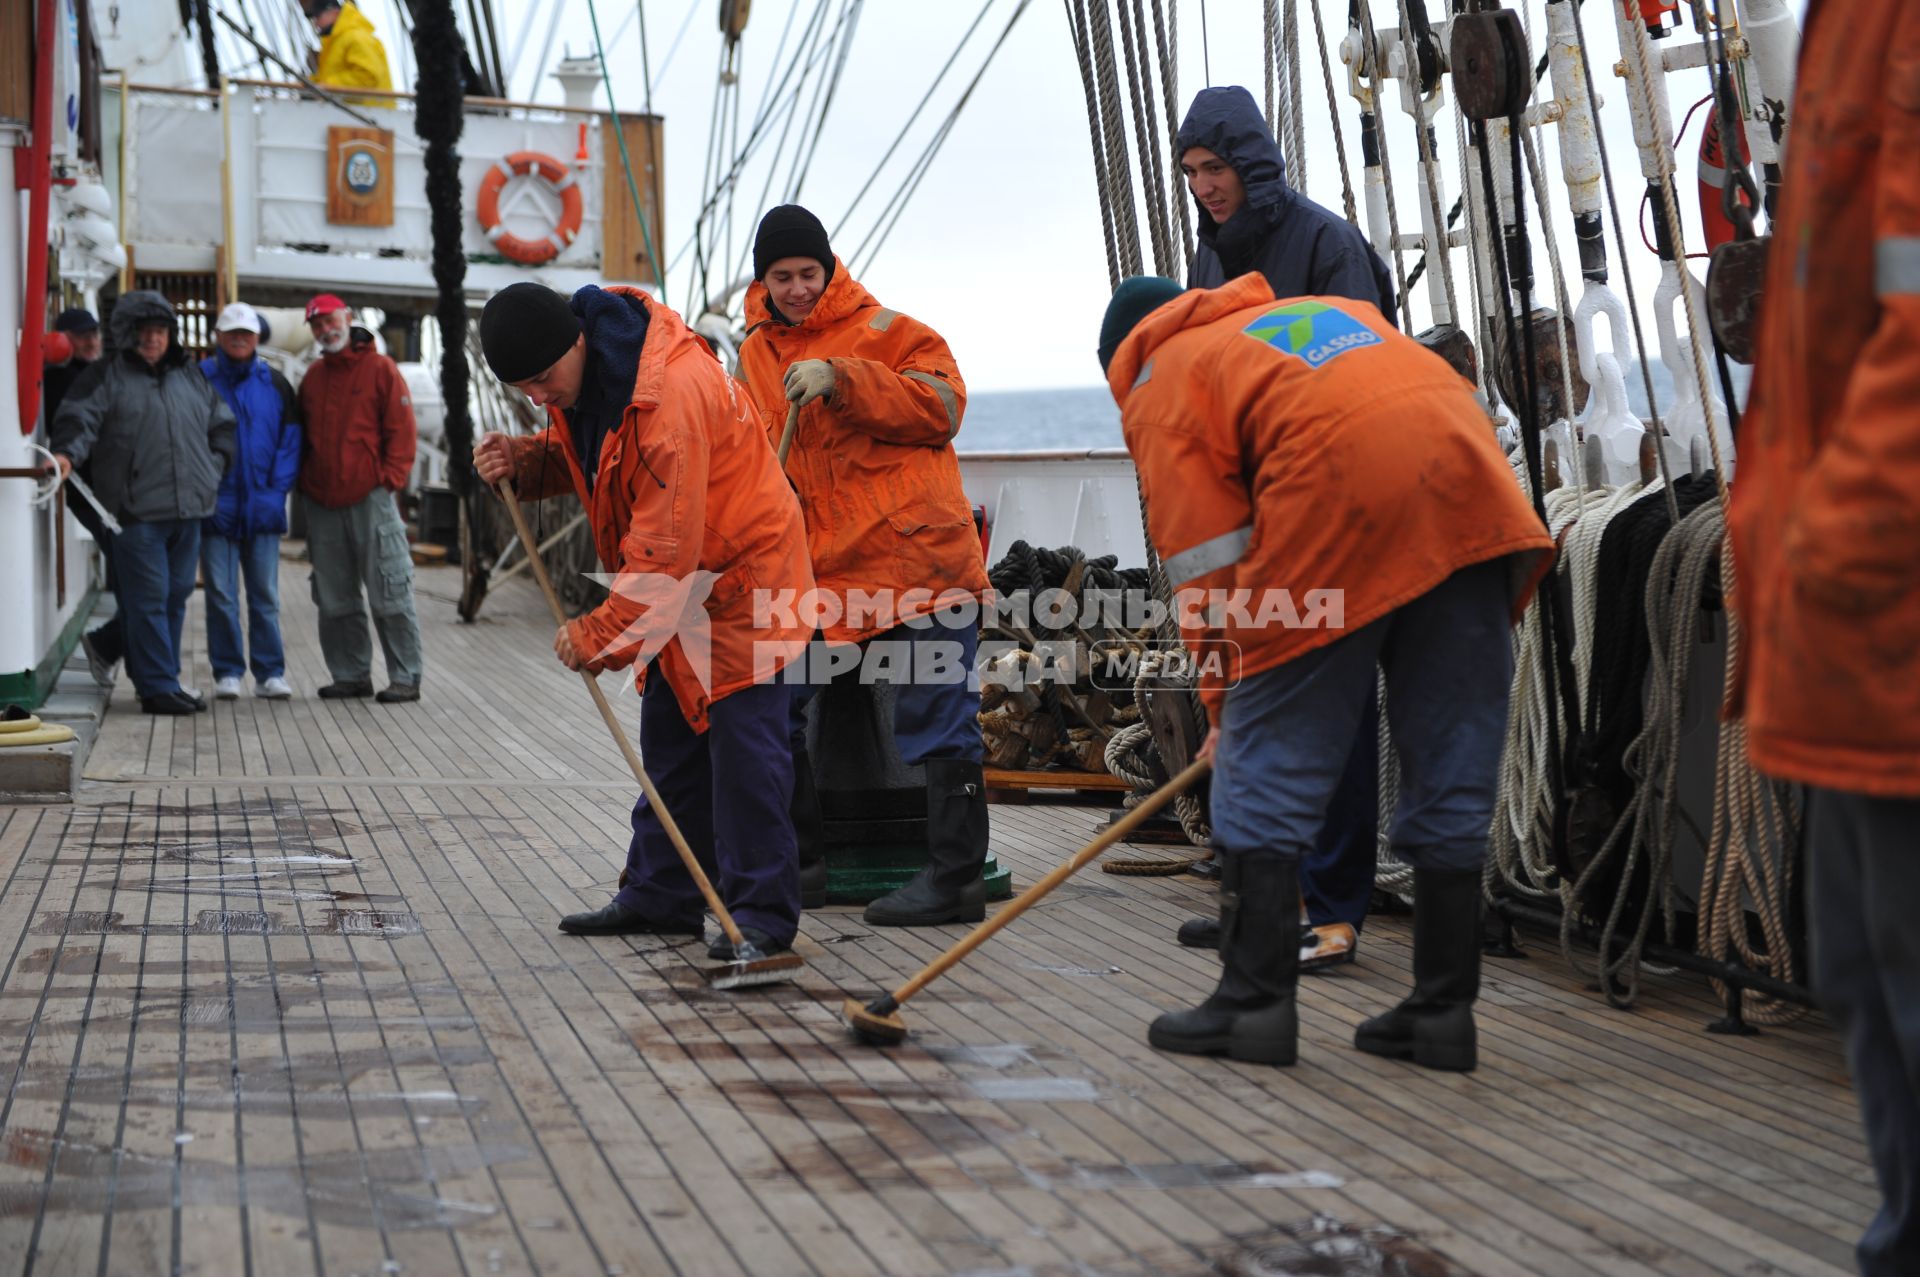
x: 352, y: 57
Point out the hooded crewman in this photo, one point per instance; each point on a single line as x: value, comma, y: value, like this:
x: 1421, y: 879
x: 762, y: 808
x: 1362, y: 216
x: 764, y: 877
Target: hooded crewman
x: 889, y: 530
x: 1328, y: 498
x: 1251, y: 220
x: 693, y: 519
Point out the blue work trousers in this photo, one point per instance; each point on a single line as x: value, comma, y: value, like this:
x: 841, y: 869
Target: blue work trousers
x: 1863, y: 890
x: 1336, y: 874
x: 934, y: 716
x: 223, y: 562
x: 1288, y: 734
x: 729, y: 790
x: 153, y: 569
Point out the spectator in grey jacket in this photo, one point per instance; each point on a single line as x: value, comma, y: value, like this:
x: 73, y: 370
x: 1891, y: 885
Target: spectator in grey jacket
x: 159, y: 439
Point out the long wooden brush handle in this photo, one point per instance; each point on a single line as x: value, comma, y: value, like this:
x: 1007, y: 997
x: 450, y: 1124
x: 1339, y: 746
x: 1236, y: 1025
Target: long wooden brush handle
x: 786, y: 435
x: 674, y: 835
x: 1072, y: 865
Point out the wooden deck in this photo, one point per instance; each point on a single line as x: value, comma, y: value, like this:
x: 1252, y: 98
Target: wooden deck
x: 282, y: 993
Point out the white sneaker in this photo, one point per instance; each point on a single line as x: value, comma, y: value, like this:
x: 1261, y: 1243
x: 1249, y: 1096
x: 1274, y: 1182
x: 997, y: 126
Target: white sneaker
x: 274, y: 689
x: 226, y: 689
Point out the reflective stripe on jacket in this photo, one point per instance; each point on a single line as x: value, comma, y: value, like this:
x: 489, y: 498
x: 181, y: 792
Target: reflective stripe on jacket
x: 873, y: 463
x: 1826, y: 507
x: 1308, y: 469
x: 689, y: 511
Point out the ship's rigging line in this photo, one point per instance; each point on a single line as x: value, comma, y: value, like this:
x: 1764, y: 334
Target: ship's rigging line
x: 1339, y: 140
x: 898, y: 205
x: 1360, y: 13
x: 626, y: 160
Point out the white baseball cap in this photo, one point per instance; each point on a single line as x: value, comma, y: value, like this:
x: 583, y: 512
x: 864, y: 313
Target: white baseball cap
x: 237, y: 317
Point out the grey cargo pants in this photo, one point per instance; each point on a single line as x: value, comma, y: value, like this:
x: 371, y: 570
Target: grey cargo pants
x: 363, y: 545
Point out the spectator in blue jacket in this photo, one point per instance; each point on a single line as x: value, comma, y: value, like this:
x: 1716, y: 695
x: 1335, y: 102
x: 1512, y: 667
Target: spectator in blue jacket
x: 242, y: 535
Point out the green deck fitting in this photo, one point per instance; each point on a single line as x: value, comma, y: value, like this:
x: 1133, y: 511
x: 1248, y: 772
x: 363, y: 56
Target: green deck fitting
x: 858, y: 874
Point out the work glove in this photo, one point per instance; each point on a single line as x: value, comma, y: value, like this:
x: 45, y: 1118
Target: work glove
x: 808, y: 380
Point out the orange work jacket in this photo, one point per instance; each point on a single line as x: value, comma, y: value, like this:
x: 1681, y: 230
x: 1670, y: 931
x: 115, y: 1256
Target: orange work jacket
x: 1826, y: 503
x: 873, y: 463
x: 693, y: 519
x: 1307, y: 460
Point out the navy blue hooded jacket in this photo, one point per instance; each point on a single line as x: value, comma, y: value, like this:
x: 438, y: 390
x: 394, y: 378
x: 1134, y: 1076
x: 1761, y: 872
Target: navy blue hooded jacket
x: 1303, y: 249
x: 253, y: 493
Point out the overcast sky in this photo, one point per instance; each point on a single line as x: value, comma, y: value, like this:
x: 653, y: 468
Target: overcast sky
x: 1000, y: 249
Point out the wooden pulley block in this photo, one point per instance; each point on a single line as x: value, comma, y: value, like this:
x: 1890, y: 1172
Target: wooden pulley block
x: 1492, y: 76
x: 1735, y: 279
x: 1549, y: 328
x: 1451, y: 343
x: 1176, y: 729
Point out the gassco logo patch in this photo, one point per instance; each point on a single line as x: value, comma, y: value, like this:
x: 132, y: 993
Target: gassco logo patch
x: 1311, y: 331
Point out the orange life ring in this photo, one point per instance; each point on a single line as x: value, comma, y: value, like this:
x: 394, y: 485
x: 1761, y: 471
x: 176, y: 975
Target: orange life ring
x: 559, y: 178
x: 1714, y: 222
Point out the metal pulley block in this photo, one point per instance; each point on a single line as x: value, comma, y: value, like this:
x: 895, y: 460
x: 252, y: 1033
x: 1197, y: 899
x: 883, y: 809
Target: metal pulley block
x: 1451, y: 343
x: 1735, y: 279
x: 1492, y: 78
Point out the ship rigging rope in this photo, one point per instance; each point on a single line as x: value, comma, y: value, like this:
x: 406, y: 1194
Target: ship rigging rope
x: 1146, y: 131
x: 1370, y: 59
x: 1166, y: 33
x: 1643, y: 82
x: 1108, y: 227
x: 897, y: 207
x: 1620, y: 239
x: 1333, y: 113
x: 626, y: 160
x: 1429, y: 162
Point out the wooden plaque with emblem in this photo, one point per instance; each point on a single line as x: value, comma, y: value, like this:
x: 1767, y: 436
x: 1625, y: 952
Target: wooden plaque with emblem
x: 359, y: 176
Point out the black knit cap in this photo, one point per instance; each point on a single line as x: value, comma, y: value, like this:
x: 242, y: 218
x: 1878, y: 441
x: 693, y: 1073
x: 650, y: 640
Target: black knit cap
x: 76, y: 320
x: 790, y: 231
x: 524, y: 330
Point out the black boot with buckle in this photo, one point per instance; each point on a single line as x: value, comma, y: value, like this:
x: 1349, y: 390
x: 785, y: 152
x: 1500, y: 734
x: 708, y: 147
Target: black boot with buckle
x: 948, y: 887
x: 1434, y: 1027
x: 1251, y: 1015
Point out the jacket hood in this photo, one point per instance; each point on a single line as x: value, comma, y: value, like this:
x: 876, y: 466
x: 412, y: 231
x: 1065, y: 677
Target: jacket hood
x: 844, y: 296
x: 1227, y: 121
x: 350, y: 21
x: 144, y: 306
x: 1190, y: 309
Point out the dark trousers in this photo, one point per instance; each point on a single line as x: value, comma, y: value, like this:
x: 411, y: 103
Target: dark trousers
x: 1863, y: 876
x: 1336, y: 874
x: 153, y: 570
x: 729, y: 790
x: 1287, y: 735
x: 929, y: 663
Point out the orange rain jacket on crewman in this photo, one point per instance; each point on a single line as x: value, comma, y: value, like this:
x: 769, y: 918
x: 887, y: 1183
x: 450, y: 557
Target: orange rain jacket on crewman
x: 1305, y: 445
x: 686, y: 486
x: 1826, y: 502
x: 873, y: 462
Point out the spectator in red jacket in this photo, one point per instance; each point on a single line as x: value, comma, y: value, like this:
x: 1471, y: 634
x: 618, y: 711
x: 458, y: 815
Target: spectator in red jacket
x: 358, y: 454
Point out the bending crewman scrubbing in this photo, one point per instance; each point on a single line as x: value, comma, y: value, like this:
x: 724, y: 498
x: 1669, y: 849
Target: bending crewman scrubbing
x: 692, y: 516
x: 1327, y: 496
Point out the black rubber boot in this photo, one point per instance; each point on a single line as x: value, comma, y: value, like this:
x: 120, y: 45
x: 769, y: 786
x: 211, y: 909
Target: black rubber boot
x: 1251, y: 1015
x: 948, y: 887
x: 1434, y: 1027
x: 809, y: 827
x: 1199, y: 933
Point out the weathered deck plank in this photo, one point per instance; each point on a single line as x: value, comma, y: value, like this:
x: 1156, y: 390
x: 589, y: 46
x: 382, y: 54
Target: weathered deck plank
x: 335, y: 968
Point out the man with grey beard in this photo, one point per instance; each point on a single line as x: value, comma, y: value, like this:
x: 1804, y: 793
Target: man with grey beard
x: 354, y: 465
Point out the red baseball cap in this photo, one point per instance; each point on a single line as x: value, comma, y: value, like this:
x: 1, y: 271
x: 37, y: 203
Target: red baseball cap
x: 324, y: 304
